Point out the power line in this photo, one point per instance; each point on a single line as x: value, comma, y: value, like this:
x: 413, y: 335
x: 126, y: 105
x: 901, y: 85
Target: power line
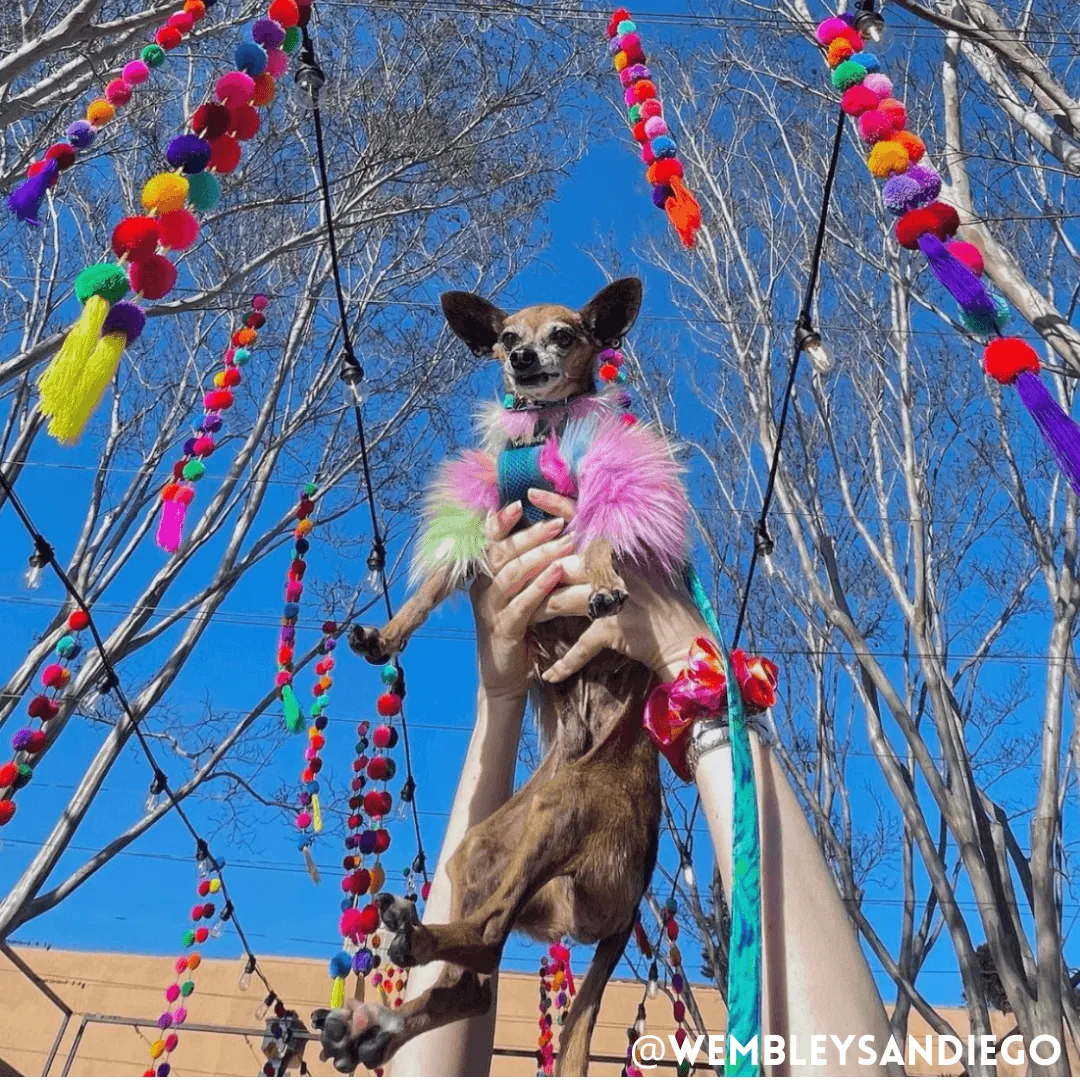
x: 111, y: 683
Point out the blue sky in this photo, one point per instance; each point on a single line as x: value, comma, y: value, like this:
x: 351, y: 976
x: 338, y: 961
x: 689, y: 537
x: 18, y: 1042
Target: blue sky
x: 140, y: 900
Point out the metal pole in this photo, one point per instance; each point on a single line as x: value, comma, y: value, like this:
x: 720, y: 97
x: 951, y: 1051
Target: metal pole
x: 66, y: 1070
x: 56, y: 1044
x: 47, y: 990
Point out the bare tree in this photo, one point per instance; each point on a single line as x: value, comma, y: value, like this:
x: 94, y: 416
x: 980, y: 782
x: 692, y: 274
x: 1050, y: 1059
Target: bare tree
x: 435, y: 178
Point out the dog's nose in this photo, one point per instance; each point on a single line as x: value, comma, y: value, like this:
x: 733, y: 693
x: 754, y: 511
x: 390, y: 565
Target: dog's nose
x: 522, y: 360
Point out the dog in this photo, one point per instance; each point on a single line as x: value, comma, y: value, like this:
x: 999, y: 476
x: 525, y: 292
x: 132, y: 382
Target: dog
x: 573, y: 850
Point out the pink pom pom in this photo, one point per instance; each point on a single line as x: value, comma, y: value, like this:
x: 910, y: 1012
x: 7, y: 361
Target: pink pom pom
x: 303, y: 819
x: 235, y: 88
x: 968, y: 254
x: 878, y: 84
x: 647, y: 154
x: 204, y: 446
x: 624, y: 77
x: 651, y: 108
x: 895, y: 111
x: 630, y: 97
x: 829, y: 29
x: 283, y: 678
x: 350, y: 924
x: 259, y: 301
x: 293, y: 591
x: 135, y: 73
x: 118, y: 92
x: 655, y: 126
x: 875, y: 126
x: 179, y: 229
x: 277, y: 63
x: 857, y: 100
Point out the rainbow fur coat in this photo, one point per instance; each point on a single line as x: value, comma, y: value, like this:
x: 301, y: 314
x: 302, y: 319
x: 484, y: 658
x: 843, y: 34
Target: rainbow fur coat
x: 622, y: 473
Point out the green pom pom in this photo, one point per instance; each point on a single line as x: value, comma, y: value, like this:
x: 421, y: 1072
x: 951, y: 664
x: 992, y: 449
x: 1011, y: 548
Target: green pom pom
x: 847, y: 75
x: 25, y: 774
x: 322, y: 700
x: 153, y: 56
x: 187, y: 988
x: 106, y: 280
x: 64, y: 645
x: 188, y: 939
x: 987, y: 325
x: 241, y: 357
x: 292, y: 39
x: 635, y: 113
x: 310, y: 489
x: 194, y: 470
x: 508, y: 401
x: 389, y: 674
x: 204, y: 191
x: 315, y: 709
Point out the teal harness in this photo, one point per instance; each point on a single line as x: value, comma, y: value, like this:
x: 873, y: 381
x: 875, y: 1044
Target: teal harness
x: 517, y: 469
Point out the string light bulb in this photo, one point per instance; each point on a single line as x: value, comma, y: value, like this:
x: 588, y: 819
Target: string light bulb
x: 652, y: 988
x: 870, y: 24
x: 688, y: 875
x: 808, y: 340
x: 35, y: 569
x: 244, y: 982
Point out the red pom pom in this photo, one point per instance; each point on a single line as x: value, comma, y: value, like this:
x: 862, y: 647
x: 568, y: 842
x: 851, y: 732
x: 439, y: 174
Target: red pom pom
x: 284, y: 12
x: 204, y: 887
x: 136, y: 237
x: 36, y: 167
x: 53, y: 675
x: 78, y: 620
x: 62, y: 153
x: 7, y: 811
x: 425, y: 890
x: 362, y: 880
x: 245, y: 121
x: 181, y: 21
x: 639, y: 131
x: 912, y: 225
x: 1005, y: 358
x: 857, y: 100
x: 42, y: 708
x: 179, y: 229
x: 168, y: 37
x: 196, y: 913
x: 389, y: 704
x: 318, y: 742
x: 895, y: 111
x: 256, y: 320
x: 37, y: 741
x: 608, y: 372
x: 218, y: 400
x: 153, y: 276
x: 383, y: 735
x: 349, y: 926
x: 369, y: 918
x: 201, y: 934
x: 382, y: 841
x: 355, y: 821
x: 8, y: 774
x: 946, y: 219
x: 372, y: 804
x: 211, y: 120
x: 644, y: 90
x: 377, y: 769
x: 661, y: 172
x: 225, y: 154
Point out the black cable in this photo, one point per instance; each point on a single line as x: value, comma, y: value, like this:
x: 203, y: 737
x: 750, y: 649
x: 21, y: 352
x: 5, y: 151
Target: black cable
x: 111, y: 683
x: 352, y: 374
x: 763, y: 543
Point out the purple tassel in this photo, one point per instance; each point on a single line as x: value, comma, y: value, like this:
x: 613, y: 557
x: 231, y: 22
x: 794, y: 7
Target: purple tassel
x: 1058, y: 429
x: 25, y: 201
x: 171, y: 527
x: 970, y: 293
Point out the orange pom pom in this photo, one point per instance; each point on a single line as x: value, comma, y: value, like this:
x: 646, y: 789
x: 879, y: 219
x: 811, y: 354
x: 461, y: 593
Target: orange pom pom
x: 196, y: 9
x: 244, y: 336
x: 620, y: 61
x: 265, y: 89
x: 303, y: 527
x: 914, y: 146
x: 839, y: 50
x: 99, y: 112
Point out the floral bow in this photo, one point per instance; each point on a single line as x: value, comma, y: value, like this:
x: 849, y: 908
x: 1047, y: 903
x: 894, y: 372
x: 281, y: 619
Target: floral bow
x: 699, y: 691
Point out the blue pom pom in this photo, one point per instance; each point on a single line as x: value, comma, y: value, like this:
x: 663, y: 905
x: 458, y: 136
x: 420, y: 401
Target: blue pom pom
x: 346, y: 904
x: 250, y: 58
x: 868, y: 61
x: 508, y: 401
x: 242, y: 356
x: 663, y: 146
x: 312, y: 786
x: 389, y: 674
x: 290, y: 611
x: 188, y: 152
x: 627, y: 26
x: 340, y: 965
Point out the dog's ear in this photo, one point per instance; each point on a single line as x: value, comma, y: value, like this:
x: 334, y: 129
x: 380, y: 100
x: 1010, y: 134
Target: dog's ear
x: 611, y: 312
x: 475, y: 320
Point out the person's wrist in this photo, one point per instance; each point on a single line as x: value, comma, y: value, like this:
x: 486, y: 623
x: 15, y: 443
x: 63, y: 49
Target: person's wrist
x: 675, y: 648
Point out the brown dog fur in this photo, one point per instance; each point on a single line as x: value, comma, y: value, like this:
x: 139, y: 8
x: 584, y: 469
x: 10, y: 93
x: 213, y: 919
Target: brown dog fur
x: 571, y: 853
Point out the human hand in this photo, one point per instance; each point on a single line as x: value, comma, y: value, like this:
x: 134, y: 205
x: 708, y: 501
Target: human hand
x: 523, y: 569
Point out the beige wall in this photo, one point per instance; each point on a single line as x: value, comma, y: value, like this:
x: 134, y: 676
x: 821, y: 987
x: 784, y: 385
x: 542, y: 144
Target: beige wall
x: 131, y: 986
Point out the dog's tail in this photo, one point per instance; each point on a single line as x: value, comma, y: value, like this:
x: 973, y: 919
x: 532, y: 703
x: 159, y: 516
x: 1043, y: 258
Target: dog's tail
x: 577, y: 1031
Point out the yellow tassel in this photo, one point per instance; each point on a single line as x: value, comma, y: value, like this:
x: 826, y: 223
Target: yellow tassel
x: 337, y: 994
x: 98, y: 372
x: 316, y: 814
x: 59, y: 382
x: 312, y: 869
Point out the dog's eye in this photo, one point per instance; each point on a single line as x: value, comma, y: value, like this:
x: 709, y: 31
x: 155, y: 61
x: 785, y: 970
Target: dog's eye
x: 509, y: 340
x: 563, y: 338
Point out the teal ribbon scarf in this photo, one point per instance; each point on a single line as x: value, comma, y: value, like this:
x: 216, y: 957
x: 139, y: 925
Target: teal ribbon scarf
x: 744, y: 952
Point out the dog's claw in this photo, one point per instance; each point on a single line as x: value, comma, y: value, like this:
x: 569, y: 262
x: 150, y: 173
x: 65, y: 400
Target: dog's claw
x: 358, y: 1034
x: 606, y: 602
x: 366, y: 641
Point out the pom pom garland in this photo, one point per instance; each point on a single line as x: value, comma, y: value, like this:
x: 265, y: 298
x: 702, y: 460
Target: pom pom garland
x: 556, y: 987
x: 177, y: 495
x: 30, y: 742
x: 910, y: 192
x: 80, y: 373
x: 651, y: 130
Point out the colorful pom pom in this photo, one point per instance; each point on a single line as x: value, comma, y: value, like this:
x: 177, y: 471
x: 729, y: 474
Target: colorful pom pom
x: 136, y: 237
x: 848, y: 74
x: 164, y: 192
x: 284, y: 12
x: 244, y: 121
x: 204, y: 191
x: 153, y: 277
x: 188, y: 152
x: 179, y: 230
x: 211, y: 120
x: 250, y: 58
x: 968, y: 254
x: 857, y: 100
x: 1005, y: 358
x: 235, y: 88
x: 99, y: 112
x: 225, y: 154
x: 136, y: 72
x: 886, y: 158
x: 81, y: 134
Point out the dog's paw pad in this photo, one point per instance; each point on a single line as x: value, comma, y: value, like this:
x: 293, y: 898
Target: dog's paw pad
x: 605, y: 602
x: 358, y: 1034
x: 366, y: 641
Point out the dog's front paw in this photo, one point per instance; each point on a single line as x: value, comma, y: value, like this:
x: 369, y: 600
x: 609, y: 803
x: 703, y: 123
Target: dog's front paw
x: 359, y: 1034
x: 367, y: 641
x: 606, y: 602
x: 410, y: 938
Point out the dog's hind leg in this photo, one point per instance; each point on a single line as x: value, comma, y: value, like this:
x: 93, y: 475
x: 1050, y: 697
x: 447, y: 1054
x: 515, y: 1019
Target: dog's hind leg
x: 573, y: 1057
x: 367, y: 1034
x: 377, y: 646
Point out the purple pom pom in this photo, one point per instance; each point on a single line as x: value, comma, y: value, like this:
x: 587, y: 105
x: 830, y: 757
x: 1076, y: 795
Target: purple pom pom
x: 189, y: 152
x: 21, y: 741
x: 614, y: 45
x: 900, y: 194
x: 126, y: 317
x: 362, y: 961
x: 25, y: 201
x: 367, y: 841
x: 211, y: 423
x: 189, y: 447
x: 623, y: 399
x: 81, y: 134
x: 928, y: 180
x: 268, y: 34
x: 639, y: 72
x: 304, y: 798
x: 660, y: 195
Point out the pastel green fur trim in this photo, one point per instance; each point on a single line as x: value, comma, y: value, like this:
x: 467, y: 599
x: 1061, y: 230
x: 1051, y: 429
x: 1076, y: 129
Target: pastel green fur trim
x: 454, y: 534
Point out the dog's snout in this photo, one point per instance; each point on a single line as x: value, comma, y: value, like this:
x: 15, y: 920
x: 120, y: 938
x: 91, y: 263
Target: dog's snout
x: 524, y: 359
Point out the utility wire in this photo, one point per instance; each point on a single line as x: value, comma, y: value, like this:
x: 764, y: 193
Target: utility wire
x: 352, y: 374
x: 111, y: 683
